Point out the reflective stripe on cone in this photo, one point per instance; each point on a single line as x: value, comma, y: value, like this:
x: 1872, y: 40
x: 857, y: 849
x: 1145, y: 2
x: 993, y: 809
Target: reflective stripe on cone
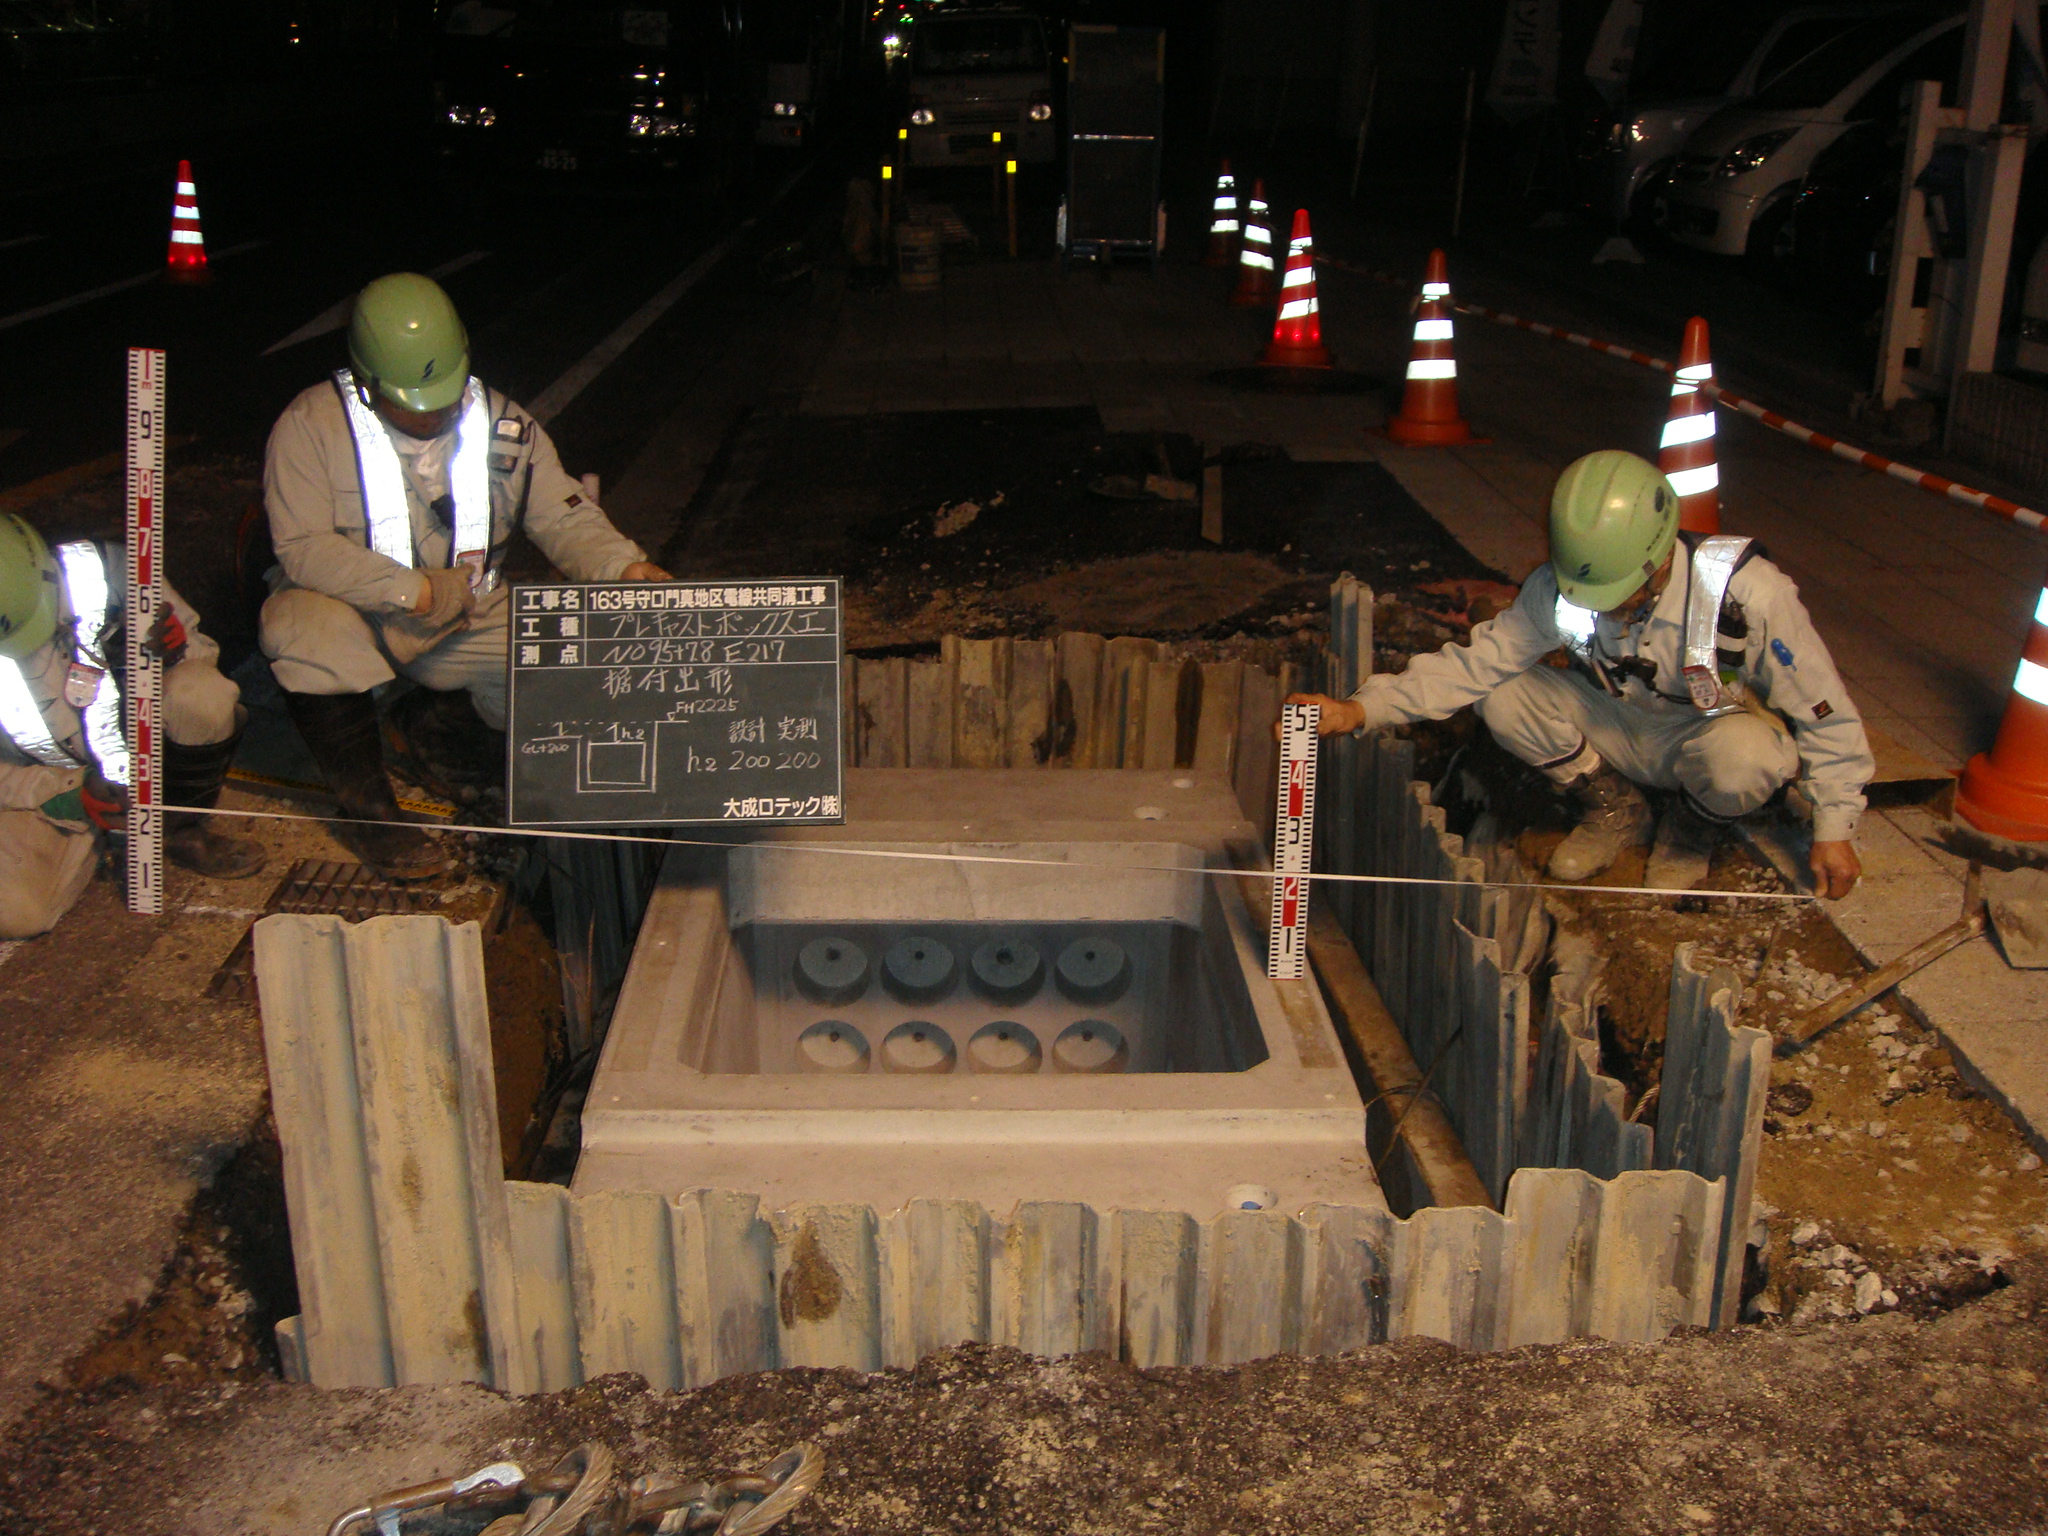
x: 1223, y: 222
x: 187, y: 258
x: 2005, y: 791
x: 1298, y: 328
x: 1255, y: 256
x: 1429, y: 404
x: 1686, y: 451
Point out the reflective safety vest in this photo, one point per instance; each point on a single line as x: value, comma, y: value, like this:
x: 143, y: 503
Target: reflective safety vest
x: 89, y: 687
x: 1712, y: 656
x: 385, y: 506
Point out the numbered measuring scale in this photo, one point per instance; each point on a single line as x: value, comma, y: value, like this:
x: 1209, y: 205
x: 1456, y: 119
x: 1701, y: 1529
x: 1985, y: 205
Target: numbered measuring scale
x: 1294, y: 833
x: 144, y: 601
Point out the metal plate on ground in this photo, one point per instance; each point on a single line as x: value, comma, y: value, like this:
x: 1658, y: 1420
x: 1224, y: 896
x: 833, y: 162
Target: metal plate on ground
x: 349, y: 891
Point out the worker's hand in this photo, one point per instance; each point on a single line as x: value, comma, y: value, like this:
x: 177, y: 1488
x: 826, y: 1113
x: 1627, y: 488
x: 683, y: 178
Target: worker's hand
x: 445, y: 597
x: 644, y: 570
x: 1836, y: 869
x: 1338, y: 714
x: 106, y: 803
x: 167, y: 638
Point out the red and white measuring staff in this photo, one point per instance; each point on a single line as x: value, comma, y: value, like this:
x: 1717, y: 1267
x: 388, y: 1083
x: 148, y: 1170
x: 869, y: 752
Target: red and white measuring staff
x: 1926, y: 480
x: 1294, y: 836
x: 144, y: 598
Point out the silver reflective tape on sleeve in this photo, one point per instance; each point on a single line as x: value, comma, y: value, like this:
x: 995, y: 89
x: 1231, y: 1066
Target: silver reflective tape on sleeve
x: 383, y: 479
x: 23, y: 721
x: 1713, y: 564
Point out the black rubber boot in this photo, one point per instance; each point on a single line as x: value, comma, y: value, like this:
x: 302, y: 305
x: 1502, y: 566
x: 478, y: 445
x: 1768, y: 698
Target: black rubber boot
x: 193, y: 776
x: 439, y: 741
x: 342, y: 730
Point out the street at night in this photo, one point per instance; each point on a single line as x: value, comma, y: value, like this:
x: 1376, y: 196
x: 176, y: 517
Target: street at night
x: 1091, y: 766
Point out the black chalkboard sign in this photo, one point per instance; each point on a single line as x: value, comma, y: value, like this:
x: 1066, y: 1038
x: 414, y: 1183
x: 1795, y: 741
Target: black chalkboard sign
x: 674, y: 703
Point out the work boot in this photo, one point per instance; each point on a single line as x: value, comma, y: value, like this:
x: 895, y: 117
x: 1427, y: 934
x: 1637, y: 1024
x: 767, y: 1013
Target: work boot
x: 193, y: 776
x: 1683, y: 850
x: 1613, y: 818
x: 439, y: 742
x: 346, y: 741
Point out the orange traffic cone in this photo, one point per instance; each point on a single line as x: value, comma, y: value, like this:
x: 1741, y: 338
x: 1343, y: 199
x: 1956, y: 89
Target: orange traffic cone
x: 1686, y: 452
x: 1429, y: 405
x: 187, y: 259
x: 1223, y: 220
x: 2006, y: 793
x: 1255, y: 260
x: 1298, y: 328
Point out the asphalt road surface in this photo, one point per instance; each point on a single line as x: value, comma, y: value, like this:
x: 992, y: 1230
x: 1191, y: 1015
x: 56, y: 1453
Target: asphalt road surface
x: 544, y: 279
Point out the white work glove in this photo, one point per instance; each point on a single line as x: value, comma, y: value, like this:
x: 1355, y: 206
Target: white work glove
x: 448, y: 598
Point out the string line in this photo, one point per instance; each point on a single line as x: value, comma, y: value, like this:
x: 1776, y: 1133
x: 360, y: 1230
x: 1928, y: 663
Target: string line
x: 991, y: 858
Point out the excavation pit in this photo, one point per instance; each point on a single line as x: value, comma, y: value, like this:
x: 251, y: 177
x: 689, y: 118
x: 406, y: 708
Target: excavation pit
x: 1049, y: 998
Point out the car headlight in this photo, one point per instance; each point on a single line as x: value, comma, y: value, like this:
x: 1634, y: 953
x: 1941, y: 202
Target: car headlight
x: 472, y: 117
x: 1639, y: 130
x: 653, y: 125
x: 786, y: 109
x: 921, y: 117
x: 1041, y: 111
x: 1751, y: 153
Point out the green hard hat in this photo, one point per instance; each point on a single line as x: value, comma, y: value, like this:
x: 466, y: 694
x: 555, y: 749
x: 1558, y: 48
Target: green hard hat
x: 1613, y: 519
x: 28, y: 589
x: 407, y: 342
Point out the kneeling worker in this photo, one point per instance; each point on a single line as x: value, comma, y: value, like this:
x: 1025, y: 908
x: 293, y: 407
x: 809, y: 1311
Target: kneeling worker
x: 393, y: 490
x: 63, y: 755
x: 1688, y: 658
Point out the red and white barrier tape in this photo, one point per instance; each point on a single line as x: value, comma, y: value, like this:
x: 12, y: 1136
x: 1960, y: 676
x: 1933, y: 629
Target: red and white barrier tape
x: 1926, y: 480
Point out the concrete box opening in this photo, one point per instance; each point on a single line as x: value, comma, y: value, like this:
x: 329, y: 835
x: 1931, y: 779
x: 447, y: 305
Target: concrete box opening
x: 956, y: 993
x: 974, y: 1015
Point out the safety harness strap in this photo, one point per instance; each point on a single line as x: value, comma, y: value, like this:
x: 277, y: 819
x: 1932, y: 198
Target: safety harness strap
x: 90, y: 598
x: 386, y: 508
x: 1714, y: 562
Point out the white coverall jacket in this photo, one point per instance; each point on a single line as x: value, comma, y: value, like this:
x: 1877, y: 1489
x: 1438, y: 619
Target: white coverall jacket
x: 46, y: 862
x: 339, y: 610
x: 1648, y: 728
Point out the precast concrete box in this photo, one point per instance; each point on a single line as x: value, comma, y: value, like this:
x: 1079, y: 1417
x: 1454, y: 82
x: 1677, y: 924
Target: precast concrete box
x: 993, y: 986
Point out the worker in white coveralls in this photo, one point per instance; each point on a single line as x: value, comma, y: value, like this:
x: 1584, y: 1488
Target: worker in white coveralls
x: 64, y: 764
x: 393, y: 490
x: 1692, y: 667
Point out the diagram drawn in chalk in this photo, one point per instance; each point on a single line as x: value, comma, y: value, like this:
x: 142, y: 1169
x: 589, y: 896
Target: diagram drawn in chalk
x: 620, y: 761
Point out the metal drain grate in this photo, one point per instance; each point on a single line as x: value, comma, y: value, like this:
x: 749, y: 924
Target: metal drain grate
x: 349, y: 891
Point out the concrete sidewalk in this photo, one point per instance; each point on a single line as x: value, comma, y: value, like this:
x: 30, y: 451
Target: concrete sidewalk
x: 1924, y: 602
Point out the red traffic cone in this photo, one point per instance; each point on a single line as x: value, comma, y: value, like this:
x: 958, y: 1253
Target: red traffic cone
x: 1223, y: 220
x: 1429, y: 405
x: 1298, y: 328
x: 187, y: 259
x: 1686, y: 452
x: 1255, y: 259
x: 2006, y: 793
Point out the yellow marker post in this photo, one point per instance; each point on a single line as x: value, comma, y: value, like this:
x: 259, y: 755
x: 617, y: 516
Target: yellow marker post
x: 888, y: 185
x: 1010, y: 192
x: 995, y: 180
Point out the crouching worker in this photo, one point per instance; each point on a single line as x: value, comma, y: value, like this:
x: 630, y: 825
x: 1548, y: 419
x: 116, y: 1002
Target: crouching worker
x: 1691, y: 666
x: 63, y: 755
x: 393, y: 490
